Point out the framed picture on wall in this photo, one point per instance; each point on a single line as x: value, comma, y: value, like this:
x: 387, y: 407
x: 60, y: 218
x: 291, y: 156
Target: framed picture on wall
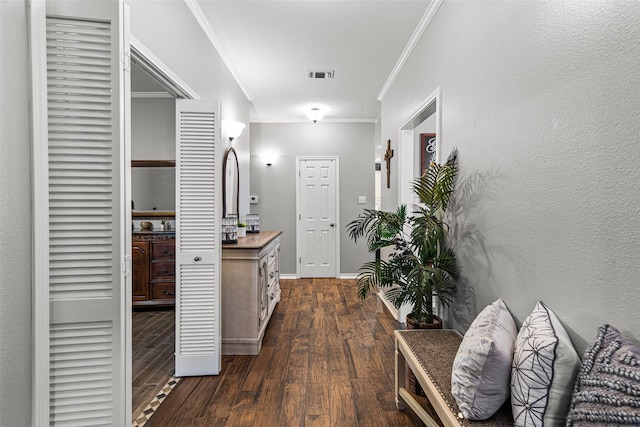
x: 427, y: 150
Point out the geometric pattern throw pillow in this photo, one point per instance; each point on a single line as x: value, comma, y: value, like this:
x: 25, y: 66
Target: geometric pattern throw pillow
x: 544, y: 370
x: 607, y: 390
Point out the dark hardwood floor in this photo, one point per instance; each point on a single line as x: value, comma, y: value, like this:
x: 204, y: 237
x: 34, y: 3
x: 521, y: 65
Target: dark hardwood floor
x: 327, y: 360
x: 153, y: 337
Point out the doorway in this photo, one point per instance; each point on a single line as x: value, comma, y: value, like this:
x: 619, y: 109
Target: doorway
x: 317, y: 201
x: 154, y: 91
x: 425, y: 118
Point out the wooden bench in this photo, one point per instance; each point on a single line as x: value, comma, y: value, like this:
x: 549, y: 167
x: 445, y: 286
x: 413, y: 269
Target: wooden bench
x: 430, y: 354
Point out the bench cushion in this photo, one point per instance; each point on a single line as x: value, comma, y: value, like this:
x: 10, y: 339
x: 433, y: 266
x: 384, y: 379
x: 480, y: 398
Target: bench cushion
x: 481, y: 373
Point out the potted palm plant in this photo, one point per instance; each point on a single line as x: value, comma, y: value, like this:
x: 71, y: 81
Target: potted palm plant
x: 421, y: 265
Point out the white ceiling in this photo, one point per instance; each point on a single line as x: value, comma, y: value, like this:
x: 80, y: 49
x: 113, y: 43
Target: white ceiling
x: 271, y: 45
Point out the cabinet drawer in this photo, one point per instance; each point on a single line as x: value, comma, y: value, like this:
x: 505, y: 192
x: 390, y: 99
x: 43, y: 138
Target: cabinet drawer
x: 271, y: 257
x: 163, y: 270
x: 163, y: 250
x: 163, y: 290
x: 272, y: 274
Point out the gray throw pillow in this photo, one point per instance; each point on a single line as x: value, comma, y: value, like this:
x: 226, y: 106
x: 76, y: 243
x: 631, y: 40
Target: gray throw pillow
x: 607, y: 390
x: 482, y: 366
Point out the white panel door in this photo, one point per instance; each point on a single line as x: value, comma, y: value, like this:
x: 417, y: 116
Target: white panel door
x: 80, y: 372
x: 317, y: 217
x: 198, y: 213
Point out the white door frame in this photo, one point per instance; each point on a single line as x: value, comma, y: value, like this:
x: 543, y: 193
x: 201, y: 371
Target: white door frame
x: 155, y: 68
x: 337, y: 227
x: 406, y: 161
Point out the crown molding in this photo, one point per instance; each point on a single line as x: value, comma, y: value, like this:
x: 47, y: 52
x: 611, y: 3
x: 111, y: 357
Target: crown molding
x: 413, y: 41
x: 198, y: 13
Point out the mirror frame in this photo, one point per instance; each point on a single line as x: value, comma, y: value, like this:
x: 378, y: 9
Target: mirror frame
x: 224, y: 183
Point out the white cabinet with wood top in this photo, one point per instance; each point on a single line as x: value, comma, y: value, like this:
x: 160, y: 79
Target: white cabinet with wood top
x: 250, y: 290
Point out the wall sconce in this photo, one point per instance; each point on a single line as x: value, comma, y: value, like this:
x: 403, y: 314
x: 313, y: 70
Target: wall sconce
x: 269, y: 158
x: 316, y: 113
x: 233, y: 129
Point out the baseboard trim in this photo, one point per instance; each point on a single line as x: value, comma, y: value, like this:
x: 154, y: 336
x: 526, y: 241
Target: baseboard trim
x: 342, y: 276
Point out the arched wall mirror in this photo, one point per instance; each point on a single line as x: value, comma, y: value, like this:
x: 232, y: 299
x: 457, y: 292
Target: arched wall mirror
x: 230, y: 184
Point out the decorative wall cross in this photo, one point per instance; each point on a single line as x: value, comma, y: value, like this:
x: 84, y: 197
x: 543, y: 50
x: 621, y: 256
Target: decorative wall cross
x: 387, y: 158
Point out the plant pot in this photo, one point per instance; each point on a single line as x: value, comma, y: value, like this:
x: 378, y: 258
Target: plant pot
x: 242, y: 232
x: 414, y: 385
x: 415, y: 324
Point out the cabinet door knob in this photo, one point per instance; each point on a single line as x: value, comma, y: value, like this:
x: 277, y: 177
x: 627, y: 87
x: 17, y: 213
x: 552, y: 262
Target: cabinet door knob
x: 332, y: 225
x: 196, y: 259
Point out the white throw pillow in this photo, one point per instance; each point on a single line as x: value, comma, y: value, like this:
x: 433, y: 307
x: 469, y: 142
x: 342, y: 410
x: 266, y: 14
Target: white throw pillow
x: 545, y: 366
x: 482, y: 366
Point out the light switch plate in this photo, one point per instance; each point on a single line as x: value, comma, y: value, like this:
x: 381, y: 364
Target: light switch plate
x: 362, y: 199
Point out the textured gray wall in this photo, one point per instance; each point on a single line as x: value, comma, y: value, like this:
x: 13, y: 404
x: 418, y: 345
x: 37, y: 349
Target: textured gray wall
x: 541, y: 99
x: 276, y: 184
x: 15, y: 217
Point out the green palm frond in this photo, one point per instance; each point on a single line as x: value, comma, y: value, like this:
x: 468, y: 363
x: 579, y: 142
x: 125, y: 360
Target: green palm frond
x: 421, y: 264
x: 435, y: 186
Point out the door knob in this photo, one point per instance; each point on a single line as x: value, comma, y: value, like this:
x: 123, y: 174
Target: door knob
x: 196, y: 259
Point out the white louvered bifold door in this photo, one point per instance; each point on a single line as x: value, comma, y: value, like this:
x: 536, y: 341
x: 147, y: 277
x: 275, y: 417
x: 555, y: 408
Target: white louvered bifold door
x: 80, y: 349
x: 198, y: 201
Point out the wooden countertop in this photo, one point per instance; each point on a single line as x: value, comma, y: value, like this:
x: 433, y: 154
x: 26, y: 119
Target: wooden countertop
x: 253, y: 240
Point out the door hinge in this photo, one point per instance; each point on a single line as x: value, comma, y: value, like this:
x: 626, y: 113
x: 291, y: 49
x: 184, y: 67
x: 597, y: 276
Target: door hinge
x: 126, y: 61
x: 299, y: 216
x: 127, y: 266
x: 300, y: 260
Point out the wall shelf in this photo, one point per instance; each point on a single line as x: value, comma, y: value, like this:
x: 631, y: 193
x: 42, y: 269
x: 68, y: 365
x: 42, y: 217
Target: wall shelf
x: 153, y: 163
x: 153, y: 214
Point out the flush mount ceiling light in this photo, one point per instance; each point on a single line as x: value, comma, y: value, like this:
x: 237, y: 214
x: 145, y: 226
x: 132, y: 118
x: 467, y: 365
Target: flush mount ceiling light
x: 233, y: 129
x: 316, y: 113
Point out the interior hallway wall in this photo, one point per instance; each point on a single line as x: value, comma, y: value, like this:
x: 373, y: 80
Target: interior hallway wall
x: 541, y: 99
x: 275, y: 185
x: 15, y: 217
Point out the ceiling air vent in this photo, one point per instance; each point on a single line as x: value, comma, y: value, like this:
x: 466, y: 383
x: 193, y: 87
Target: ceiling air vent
x: 327, y: 74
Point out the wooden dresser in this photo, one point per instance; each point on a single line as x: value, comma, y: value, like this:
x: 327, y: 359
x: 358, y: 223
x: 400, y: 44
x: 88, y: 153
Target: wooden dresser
x: 154, y: 268
x: 250, y: 290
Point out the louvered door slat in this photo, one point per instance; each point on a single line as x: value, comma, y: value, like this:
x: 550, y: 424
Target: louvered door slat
x: 197, y: 241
